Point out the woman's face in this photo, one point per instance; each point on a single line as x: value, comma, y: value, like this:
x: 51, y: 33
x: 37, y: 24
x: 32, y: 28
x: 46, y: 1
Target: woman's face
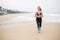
x: 38, y: 8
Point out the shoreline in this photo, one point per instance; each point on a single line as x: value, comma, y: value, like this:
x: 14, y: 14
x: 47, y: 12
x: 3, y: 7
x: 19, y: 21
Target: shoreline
x: 24, y: 18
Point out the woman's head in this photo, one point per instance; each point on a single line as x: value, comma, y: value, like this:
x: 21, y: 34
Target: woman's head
x: 39, y: 9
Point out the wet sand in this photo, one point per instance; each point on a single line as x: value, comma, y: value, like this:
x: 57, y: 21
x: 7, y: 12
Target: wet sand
x: 28, y: 30
x: 8, y: 17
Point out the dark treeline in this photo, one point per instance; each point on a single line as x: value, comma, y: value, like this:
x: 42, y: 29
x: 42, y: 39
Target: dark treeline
x: 10, y: 11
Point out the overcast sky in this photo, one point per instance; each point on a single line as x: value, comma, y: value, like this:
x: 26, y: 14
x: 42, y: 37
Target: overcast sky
x: 31, y: 5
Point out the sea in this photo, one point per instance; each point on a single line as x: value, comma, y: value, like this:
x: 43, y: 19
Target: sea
x: 30, y: 17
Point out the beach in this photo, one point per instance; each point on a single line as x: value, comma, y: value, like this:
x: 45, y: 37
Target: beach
x: 23, y: 27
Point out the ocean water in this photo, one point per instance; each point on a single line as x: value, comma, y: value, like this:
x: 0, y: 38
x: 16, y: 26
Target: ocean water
x: 51, y: 17
x: 30, y: 17
x: 48, y: 17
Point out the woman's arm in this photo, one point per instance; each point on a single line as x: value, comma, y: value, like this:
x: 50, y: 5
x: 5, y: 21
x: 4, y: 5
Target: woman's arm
x: 41, y: 14
x: 36, y: 15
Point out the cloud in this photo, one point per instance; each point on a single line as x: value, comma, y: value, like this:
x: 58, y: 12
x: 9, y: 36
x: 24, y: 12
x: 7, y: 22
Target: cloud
x: 20, y: 4
x: 31, y: 5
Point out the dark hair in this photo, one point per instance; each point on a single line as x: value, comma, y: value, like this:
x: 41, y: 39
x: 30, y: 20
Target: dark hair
x: 40, y: 9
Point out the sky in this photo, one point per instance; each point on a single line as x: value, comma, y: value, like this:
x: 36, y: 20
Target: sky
x: 31, y: 5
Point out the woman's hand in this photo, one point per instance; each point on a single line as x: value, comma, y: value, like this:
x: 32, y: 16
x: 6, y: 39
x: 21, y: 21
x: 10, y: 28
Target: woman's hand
x: 38, y: 16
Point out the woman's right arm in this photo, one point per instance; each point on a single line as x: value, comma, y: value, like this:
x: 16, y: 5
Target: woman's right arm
x: 36, y: 15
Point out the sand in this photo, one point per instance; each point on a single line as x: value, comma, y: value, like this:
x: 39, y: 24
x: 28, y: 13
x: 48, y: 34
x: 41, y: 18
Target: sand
x: 28, y: 31
x: 4, y: 18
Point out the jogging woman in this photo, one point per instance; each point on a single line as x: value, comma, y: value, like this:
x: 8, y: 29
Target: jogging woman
x: 39, y: 16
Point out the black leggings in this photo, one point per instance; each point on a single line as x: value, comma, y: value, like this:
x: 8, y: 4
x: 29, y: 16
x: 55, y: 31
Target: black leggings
x: 39, y: 22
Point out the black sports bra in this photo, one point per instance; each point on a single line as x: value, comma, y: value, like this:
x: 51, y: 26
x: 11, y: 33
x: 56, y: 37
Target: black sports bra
x: 38, y: 14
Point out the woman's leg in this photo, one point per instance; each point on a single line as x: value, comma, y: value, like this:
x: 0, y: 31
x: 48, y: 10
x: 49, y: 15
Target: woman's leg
x: 38, y: 25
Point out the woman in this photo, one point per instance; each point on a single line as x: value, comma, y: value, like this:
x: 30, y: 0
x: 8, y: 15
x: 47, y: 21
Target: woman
x: 39, y: 16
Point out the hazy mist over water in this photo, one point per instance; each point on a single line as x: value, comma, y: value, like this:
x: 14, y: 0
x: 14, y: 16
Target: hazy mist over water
x: 48, y: 6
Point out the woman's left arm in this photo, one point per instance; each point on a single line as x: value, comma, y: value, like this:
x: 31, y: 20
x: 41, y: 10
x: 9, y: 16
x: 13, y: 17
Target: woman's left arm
x: 41, y: 14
